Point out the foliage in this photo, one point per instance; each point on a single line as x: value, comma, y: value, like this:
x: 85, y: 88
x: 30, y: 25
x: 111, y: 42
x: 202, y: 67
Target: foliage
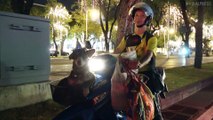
x: 108, y: 13
x: 160, y: 41
x: 38, y: 11
x: 172, y: 37
x: 94, y: 29
x: 59, y: 18
x: 207, y: 47
x: 78, y: 25
x: 5, y: 5
x: 193, y: 11
x: 208, y: 9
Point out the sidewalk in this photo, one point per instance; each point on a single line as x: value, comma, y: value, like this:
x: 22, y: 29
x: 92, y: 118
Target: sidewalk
x: 208, y: 115
x: 198, y: 106
x: 178, y: 61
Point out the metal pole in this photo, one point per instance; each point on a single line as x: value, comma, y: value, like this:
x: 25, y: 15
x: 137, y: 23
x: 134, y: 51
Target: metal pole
x: 164, y: 42
x: 86, y: 25
x: 86, y: 20
x: 168, y: 33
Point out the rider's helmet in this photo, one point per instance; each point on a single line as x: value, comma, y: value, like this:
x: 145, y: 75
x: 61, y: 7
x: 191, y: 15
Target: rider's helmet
x: 146, y: 8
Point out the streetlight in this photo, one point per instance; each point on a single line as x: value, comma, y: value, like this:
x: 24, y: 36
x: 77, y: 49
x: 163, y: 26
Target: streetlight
x: 95, y: 15
x: 86, y: 25
x: 171, y: 31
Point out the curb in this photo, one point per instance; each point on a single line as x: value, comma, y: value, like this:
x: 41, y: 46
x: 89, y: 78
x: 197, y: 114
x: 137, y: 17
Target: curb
x: 184, y: 92
x: 208, y: 115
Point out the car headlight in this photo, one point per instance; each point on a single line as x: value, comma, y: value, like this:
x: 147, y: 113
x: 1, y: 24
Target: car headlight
x: 96, y: 64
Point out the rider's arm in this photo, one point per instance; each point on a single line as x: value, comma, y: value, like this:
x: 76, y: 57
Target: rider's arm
x: 120, y: 48
x: 145, y: 59
x: 150, y: 48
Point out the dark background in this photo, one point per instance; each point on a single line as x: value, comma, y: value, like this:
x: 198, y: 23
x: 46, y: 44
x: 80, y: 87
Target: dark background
x: 66, y: 3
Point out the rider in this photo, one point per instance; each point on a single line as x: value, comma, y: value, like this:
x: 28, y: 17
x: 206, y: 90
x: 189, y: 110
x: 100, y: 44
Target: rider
x: 142, y: 15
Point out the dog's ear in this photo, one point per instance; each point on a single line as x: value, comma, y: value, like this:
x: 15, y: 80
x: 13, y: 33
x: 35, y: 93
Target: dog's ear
x: 71, y: 56
x: 90, y: 52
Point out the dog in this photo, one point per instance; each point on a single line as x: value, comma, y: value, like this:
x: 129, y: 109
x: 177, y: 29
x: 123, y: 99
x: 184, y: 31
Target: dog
x: 74, y: 88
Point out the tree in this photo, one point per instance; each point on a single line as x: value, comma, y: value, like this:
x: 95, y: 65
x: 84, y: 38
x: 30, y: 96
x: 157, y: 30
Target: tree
x: 38, y: 11
x: 59, y: 18
x: 207, y: 48
x: 107, y: 18
x: 78, y: 25
x: 197, y: 10
x: 199, y: 35
x: 124, y: 21
x: 186, y: 28
x: 5, y: 5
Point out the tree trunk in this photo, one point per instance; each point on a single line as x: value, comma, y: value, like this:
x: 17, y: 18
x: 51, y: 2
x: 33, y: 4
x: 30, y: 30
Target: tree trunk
x: 106, y: 44
x: 105, y: 24
x: 62, y: 45
x: 85, y: 37
x: 124, y: 21
x: 54, y: 41
x: 198, y: 36
x: 186, y: 21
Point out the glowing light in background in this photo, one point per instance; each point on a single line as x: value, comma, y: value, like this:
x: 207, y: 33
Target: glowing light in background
x: 94, y: 13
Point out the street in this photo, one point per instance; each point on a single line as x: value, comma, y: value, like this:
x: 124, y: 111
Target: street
x: 61, y: 67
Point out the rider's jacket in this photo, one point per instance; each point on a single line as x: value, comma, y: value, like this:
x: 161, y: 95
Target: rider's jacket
x: 141, y: 48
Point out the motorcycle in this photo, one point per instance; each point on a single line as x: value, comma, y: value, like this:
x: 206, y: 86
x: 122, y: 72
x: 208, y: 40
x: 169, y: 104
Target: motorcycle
x: 92, y: 97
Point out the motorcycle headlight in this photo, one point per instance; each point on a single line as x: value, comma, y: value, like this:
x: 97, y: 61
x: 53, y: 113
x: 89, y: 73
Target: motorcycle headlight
x: 96, y: 64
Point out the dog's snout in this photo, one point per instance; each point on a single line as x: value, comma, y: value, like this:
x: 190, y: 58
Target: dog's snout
x: 80, y: 62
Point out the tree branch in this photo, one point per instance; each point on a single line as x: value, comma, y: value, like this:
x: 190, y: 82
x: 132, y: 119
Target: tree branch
x: 115, y: 18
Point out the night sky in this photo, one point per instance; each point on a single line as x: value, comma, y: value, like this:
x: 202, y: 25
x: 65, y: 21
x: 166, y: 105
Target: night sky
x: 40, y: 1
x: 66, y: 3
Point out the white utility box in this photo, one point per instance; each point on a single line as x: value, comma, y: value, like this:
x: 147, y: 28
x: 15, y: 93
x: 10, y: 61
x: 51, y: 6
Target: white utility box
x: 24, y: 49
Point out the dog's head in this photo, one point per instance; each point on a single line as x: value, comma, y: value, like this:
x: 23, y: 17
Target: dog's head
x: 80, y: 56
